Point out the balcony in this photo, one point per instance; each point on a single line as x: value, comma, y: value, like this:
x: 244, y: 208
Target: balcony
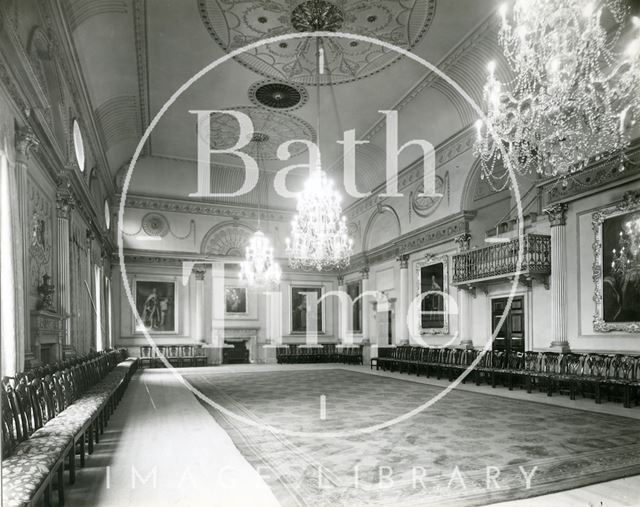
x: 499, y: 261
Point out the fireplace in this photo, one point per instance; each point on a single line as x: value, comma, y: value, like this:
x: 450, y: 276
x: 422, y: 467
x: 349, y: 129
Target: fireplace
x: 235, y: 351
x: 238, y: 344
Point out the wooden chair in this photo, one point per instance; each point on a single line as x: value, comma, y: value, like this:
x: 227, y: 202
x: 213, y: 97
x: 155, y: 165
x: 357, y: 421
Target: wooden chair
x: 160, y: 352
x: 186, y: 354
x: 594, y: 375
x: 173, y: 355
x: 146, y: 356
x: 199, y: 356
x: 571, y: 369
x: 619, y: 378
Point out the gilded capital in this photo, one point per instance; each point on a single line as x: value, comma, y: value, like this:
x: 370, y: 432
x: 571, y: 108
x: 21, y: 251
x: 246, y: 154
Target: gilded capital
x: 404, y: 261
x: 26, y: 141
x: 199, y: 271
x: 64, y: 202
x: 463, y: 241
x: 557, y: 214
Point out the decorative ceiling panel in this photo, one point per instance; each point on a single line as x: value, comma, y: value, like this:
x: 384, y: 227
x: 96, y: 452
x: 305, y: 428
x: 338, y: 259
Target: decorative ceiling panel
x: 271, y: 128
x: 234, y: 24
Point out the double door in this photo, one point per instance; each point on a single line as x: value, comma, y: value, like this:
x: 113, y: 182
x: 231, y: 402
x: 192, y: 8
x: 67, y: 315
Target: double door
x: 510, y: 336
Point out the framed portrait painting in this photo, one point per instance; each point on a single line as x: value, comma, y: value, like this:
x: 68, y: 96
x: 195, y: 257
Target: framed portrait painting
x: 299, y: 318
x: 235, y: 300
x: 156, y: 305
x: 616, y: 267
x: 432, y: 282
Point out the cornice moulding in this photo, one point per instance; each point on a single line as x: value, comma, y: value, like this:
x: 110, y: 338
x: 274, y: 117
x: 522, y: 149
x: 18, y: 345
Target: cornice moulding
x: 595, y: 178
x: 202, y: 208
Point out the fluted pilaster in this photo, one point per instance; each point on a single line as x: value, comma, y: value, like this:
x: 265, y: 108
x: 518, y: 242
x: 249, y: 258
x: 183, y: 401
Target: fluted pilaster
x: 558, y: 284
x: 402, y: 331
x: 64, y: 205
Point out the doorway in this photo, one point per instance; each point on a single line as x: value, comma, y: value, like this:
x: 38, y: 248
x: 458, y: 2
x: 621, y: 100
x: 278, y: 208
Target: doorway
x: 510, y: 337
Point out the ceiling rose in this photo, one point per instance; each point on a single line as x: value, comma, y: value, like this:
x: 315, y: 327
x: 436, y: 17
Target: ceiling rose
x: 277, y: 95
x: 236, y: 24
x: 281, y: 127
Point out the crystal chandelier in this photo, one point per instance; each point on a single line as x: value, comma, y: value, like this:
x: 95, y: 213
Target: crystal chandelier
x: 259, y: 269
x: 626, y: 260
x: 319, y: 238
x: 573, y: 97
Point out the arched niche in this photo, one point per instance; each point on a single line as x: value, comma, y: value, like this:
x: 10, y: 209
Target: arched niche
x: 227, y: 239
x: 383, y: 226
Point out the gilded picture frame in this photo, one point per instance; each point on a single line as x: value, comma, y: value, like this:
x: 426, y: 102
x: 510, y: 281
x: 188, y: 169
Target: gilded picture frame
x: 431, y: 316
x: 611, y: 289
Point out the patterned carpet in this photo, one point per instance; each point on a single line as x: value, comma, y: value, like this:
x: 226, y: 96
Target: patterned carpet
x: 467, y: 449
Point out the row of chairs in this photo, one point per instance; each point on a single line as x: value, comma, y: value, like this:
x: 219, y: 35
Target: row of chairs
x: 616, y: 375
x: 176, y: 355
x: 48, y: 420
x: 319, y: 354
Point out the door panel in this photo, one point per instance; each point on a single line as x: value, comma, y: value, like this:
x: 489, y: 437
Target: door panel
x: 510, y: 337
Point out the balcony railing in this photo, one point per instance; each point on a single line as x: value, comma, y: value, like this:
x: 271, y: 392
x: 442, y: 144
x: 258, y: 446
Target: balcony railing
x: 500, y: 260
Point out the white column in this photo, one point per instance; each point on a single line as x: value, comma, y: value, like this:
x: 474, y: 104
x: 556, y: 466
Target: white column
x: 366, y: 306
x: 402, y: 331
x: 345, y: 332
x: 198, y: 321
x: 64, y: 205
x: 558, y: 284
x: 465, y: 294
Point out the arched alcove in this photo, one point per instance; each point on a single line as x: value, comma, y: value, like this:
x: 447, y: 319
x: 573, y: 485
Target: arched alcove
x: 383, y: 226
x: 227, y: 239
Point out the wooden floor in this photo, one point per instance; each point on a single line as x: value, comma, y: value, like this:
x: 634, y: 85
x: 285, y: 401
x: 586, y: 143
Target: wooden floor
x: 163, y: 448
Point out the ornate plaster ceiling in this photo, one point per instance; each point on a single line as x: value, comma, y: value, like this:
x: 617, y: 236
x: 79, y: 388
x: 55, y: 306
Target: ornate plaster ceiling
x: 236, y: 24
x: 271, y: 128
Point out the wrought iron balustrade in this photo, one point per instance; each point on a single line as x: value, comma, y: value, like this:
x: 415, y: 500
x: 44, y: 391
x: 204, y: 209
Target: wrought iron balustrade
x: 500, y: 260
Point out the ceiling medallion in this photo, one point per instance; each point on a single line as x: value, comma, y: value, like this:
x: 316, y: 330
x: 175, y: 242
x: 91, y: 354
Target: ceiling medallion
x: 317, y: 16
x: 277, y: 95
x: 237, y: 24
x: 155, y: 224
x: 259, y: 137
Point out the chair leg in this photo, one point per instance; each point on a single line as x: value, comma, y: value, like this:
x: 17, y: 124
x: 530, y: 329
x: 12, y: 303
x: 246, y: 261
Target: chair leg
x: 82, y: 449
x: 47, y: 494
x: 627, y: 397
x: 61, y: 484
x: 90, y: 438
x: 72, y: 464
